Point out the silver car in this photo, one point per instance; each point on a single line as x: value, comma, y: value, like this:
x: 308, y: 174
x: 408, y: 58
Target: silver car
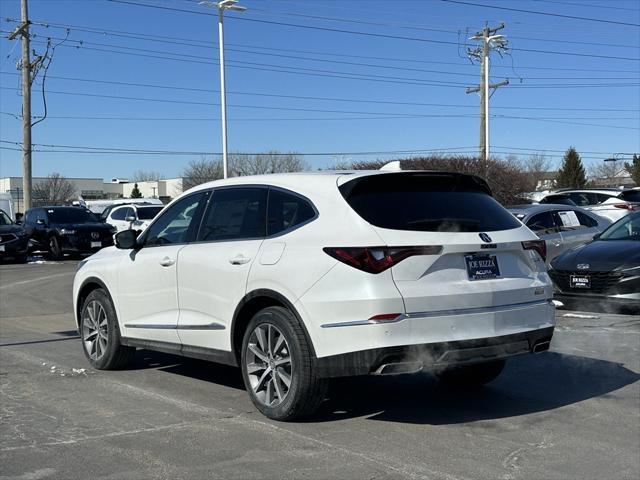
x: 561, y: 226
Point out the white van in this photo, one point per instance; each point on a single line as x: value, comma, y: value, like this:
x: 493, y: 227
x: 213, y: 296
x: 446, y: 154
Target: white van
x: 6, y: 204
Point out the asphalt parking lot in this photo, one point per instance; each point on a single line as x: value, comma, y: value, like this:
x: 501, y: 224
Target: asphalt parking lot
x: 573, y: 412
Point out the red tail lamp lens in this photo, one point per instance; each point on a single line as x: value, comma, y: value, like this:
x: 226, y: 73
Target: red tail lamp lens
x: 378, y: 259
x: 538, y: 245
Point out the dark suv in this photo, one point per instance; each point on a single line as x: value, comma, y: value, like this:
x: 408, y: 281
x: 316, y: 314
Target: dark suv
x: 61, y: 230
x: 13, y: 239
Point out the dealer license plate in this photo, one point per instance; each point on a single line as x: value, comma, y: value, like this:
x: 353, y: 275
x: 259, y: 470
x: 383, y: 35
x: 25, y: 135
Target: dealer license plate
x: 1, y: 248
x: 96, y: 244
x: 579, y: 281
x: 482, y: 266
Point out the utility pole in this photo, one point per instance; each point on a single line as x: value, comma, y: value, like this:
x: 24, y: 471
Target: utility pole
x: 23, y: 31
x: 490, y: 41
x: 222, y: 6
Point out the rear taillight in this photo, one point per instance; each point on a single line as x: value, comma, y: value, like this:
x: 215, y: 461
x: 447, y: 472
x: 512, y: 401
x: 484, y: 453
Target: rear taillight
x: 378, y: 259
x: 625, y: 206
x: 537, y: 245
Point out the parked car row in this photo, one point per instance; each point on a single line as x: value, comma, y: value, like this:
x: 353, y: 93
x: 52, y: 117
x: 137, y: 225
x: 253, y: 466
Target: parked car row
x: 60, y: 230
x: 610, y: 203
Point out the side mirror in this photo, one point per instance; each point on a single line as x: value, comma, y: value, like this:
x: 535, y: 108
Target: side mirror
x: 130, y: 219
x: 40, y: 221
x: 126, y: 239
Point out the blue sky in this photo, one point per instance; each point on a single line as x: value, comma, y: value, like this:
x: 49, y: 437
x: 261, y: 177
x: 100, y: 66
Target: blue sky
x: 400, y: 93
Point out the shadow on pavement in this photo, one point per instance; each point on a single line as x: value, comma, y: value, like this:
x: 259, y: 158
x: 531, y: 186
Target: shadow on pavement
x: 528, y: 384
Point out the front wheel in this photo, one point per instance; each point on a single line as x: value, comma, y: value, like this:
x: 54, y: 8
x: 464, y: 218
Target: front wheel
x: 471, y: 376
x: 278, y: 366
x: 100, y: 333
x: 55, y: 252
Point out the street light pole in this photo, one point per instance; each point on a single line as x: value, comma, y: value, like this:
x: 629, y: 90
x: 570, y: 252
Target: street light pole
x: 222, y: 6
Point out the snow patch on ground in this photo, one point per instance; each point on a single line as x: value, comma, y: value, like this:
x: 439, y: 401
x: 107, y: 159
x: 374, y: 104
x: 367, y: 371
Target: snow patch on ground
x: 579, y: 315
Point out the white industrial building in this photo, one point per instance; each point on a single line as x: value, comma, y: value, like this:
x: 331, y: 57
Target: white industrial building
x: 98, y: 189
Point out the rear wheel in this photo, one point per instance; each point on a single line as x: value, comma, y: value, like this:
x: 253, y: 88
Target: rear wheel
x: 100, y: 333
x: 55, y: 252
x: 471, y: 376
x: 278, y: 367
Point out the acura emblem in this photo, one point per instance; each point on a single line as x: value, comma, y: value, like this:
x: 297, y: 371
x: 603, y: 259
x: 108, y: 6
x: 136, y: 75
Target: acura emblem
x: 583, y: 266
x: 485, y: 238
x: 95, y: 235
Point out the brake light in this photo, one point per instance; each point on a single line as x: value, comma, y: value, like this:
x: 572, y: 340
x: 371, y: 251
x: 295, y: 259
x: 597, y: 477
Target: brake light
x: 385, y: 317
x: 625, y: 206
x: 538, y: 245
x: 378, y: 259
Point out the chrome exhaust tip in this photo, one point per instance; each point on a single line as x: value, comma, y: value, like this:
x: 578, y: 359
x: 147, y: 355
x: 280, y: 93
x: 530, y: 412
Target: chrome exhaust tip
x: 397, y: 368
x: 541, y: 346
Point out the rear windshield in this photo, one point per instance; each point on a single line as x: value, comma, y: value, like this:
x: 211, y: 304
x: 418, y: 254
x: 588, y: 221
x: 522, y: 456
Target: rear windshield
x: 70, y: 215
x: 427, y: 203
x: 147, y: 213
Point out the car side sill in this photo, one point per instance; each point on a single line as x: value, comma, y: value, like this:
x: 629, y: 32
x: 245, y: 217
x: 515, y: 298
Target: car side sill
x: 191, y: 351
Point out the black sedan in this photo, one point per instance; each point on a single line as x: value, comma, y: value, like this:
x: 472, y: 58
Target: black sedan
x: 13, y: 240
x: 61, y: 230
x: 606, y: 270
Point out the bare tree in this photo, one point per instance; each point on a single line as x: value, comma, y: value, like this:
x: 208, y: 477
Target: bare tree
x: 53, y: 190
x: 606, y: 173
x: 201, y: 171
x: 536, y: 166
x: 269, y: 162
x: 147, y: 175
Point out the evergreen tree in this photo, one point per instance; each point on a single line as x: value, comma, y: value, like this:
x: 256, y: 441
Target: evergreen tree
x: 571, y: 174
x: 634, y: 169
x: 135, y: 193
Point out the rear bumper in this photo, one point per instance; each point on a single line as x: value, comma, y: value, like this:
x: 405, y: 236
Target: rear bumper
x: 434, y: 356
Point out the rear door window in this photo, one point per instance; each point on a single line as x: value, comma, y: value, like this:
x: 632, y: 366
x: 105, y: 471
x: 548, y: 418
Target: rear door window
x: 287, y: 211
x: 543, y: 223
x: 427, y: 202
x: 234, y: 214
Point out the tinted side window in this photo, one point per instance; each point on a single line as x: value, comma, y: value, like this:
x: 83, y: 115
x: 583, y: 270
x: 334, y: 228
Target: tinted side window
x: 586, y: 220
x: 286, y: 211
x: 173, y: 226
x: 118, y: 213
x: 580, y: 198
x: 30, y: 216
x: 235, y: 213
x: 601, y: 197
x: 542, y: 223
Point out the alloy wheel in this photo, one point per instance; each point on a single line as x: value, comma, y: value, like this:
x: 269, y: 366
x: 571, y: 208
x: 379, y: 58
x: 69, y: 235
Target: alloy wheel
x: 268, y: 364
x: 95, y: 331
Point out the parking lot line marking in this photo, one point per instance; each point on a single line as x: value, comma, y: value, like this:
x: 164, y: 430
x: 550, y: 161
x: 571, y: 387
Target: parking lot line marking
x: 24, y: 282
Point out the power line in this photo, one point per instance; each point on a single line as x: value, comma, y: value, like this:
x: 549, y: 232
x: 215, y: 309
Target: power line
x: 336, y: 74
x: 369, y: 34
x: 82, y: 43
x: 589, y: 5
x: 211, y: 45
x: 533, y: 12
x: 319, y: 98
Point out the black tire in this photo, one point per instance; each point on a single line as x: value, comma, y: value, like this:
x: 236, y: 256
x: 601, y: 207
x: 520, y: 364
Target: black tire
x: 21, y: 258
x: 471, y: 376
x: 306, y: 390
x: 55, y: 252
x: 110, y: 354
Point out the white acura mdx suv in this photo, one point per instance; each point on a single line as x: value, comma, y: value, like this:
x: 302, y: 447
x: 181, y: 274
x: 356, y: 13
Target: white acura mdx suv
x: 297, y: 278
